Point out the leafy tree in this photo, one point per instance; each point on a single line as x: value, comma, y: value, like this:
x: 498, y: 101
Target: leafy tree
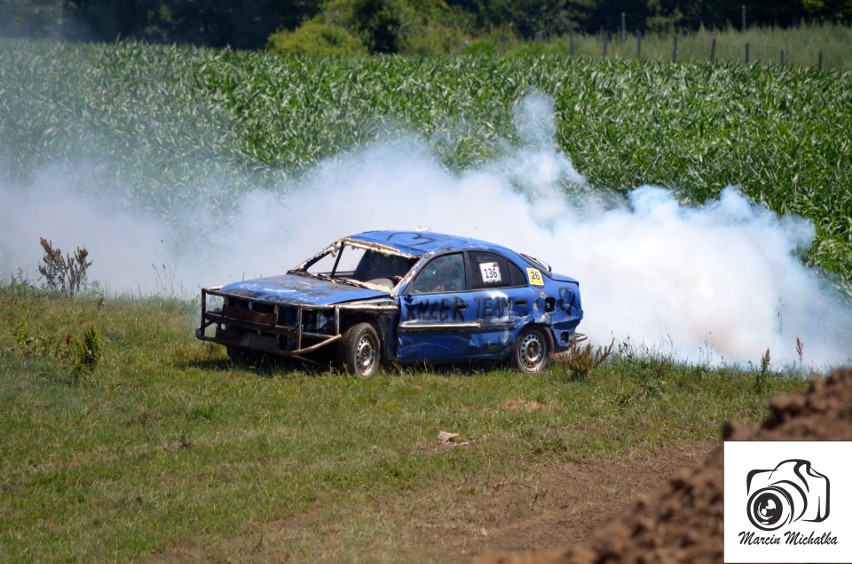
x: 663, y: 15
x: 529, y: 18
x: 550, y: 18
x: 216, y: 23
x: 783, y: 13
x: 606, y: 15
x: 383, y: 24
x: 387, y: 26
x: 316, y: 38
x: 31, y: 18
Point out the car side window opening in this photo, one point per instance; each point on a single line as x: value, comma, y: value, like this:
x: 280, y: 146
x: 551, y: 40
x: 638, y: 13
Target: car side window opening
x: 490, y: 270
x: 445, y: 273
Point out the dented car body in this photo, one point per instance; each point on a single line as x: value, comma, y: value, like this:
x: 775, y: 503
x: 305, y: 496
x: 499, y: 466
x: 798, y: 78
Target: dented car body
x: 403, y: 296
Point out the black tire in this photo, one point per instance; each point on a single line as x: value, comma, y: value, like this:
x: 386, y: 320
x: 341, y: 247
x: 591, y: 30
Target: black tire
x: 360, y: 350
x: 243, y: 357
x: 531, y: 353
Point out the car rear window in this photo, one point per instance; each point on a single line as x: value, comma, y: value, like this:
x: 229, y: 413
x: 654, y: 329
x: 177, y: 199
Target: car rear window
x: 490, y: 270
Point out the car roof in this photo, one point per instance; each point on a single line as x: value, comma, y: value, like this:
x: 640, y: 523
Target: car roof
x: 418, y: 243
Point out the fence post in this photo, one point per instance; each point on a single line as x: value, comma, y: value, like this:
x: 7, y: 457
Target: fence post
x: 746, y: 53
x: 571, y: 44
x: 713, y: 51
x: 820, y: 61
x: 638, y: 45
x: 623, y: 27
x: 782, y: 57
x: 674, y: 49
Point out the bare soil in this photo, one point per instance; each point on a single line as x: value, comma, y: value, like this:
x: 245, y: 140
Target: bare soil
x: 544, y: 506
x: 560, y: 504
x: 682, y: 521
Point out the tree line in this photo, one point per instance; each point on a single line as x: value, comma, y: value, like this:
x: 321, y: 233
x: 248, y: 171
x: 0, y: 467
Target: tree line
x: 388, y: 26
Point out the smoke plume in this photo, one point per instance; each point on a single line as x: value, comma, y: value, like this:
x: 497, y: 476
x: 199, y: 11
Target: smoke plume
x: 720, y: 282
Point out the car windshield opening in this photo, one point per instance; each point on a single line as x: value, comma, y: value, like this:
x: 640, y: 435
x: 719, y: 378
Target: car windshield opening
x: 355, y: 264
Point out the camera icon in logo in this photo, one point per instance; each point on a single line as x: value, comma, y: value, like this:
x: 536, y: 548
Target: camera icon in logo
x: 792, y: 491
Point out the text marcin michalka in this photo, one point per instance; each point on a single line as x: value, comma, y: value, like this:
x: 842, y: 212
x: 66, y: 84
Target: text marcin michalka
x: 791, y: 537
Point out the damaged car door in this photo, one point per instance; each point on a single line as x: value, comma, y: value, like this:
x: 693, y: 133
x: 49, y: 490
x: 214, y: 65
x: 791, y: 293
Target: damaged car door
x: 463, y: 305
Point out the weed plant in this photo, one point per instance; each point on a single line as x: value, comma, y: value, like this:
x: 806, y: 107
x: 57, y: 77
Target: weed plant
x: 67, y: 274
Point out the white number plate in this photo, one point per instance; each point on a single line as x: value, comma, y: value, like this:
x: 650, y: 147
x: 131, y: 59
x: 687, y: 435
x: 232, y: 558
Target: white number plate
x: 490, y: 272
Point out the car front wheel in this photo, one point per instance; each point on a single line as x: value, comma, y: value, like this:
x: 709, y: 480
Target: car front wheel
x: 532, y: 351
x: 360, y: 350
x: 243, y: 357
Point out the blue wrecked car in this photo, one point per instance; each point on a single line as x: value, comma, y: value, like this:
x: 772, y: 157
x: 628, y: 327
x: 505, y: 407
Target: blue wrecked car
x: 402, y: 296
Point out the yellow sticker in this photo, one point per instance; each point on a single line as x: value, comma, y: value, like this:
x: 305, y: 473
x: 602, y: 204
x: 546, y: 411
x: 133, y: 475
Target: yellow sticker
x: 535, y: 277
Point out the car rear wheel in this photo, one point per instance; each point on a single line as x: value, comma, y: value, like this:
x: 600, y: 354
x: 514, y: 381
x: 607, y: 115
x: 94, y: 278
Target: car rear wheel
x: 360, y: 350
x: 532, y: 351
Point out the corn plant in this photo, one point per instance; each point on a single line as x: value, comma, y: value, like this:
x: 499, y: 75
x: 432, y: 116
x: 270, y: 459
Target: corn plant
x: 171, y: 126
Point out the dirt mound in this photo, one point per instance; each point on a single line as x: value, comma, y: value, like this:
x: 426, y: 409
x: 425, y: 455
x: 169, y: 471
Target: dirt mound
x: 682, y: 522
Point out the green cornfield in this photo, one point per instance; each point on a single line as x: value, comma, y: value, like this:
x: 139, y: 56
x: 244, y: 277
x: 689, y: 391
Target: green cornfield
x: 166, y: 121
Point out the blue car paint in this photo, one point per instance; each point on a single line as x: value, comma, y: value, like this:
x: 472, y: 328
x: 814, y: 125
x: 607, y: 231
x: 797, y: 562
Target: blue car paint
x: 471, y: 324
x: 480, y: 324
x: 414, y: 243
x: 299, y: 290
x: 463, y: 324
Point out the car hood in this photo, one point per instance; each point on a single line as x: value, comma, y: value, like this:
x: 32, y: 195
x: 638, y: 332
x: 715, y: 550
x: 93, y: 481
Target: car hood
x: 300, y: 290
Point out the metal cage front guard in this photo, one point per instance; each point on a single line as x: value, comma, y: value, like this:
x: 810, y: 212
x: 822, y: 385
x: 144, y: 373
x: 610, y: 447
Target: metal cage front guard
x: 269, y: 322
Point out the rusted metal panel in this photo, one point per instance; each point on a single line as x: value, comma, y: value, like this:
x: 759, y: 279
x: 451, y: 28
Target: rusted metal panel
x: 249, y: 315
x: 262, y: 331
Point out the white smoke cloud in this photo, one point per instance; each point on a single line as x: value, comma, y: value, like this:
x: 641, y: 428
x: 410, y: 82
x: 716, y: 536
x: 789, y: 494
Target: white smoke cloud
x: 124, y: 245
x: 719, y: 282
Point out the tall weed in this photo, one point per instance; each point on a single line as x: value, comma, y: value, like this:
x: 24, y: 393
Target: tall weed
x: 65, y: 274
x: 85, y: 352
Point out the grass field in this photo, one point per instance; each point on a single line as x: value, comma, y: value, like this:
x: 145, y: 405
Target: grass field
x: 166, y: 441
x: 157, y: 441
x: 802, y: 46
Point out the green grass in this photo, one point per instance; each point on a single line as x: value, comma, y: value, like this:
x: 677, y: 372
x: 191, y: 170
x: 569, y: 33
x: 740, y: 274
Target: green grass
x: 166, y: 441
